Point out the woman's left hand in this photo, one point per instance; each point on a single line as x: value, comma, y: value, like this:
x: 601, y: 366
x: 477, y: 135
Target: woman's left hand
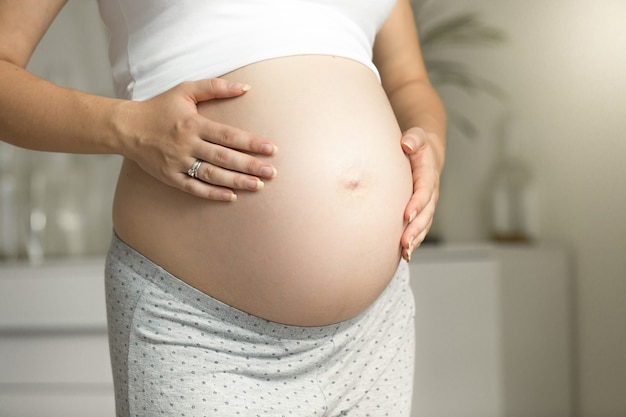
x: 426, y: 166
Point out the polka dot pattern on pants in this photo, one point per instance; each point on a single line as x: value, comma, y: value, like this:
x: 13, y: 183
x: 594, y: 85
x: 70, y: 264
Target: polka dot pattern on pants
x: 177, y: 352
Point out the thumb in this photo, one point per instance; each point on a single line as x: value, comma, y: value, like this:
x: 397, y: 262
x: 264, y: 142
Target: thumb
x: 208, y: 89
x: 412, y: 140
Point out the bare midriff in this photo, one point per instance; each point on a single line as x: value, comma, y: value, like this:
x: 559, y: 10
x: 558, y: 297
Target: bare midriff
x: 321, y: 241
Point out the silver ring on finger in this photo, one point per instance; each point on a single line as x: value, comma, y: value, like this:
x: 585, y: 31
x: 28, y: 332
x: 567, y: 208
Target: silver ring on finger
x: 193, y: 171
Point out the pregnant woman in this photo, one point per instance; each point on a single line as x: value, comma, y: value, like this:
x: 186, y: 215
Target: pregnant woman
x: 280, y: 159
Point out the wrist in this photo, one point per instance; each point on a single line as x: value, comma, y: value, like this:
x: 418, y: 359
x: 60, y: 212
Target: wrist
x: 123, y: 118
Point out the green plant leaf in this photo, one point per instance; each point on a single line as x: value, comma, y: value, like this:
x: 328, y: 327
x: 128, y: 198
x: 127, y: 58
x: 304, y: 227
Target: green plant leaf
x: 446, y: 72
x: 461, y: 30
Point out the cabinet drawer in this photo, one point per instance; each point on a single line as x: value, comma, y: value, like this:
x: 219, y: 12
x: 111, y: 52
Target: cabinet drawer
x: 55, y: 359
x: 58, y: 403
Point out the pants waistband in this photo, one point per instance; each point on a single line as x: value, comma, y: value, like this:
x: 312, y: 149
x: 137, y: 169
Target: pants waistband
x: 128, y: 261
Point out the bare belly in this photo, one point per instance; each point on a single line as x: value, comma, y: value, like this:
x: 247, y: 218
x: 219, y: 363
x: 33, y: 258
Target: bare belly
x: 321, y: 241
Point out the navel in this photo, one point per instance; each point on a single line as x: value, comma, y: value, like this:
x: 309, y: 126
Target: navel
x: 355, y: 180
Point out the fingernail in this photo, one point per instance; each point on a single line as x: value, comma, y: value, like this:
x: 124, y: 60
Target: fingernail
x: 240, y: 86
x: 413, y: 215
x: 268, y: 149
x: 232, y: 197
x: 254, y: 184
x: 268, y: 172
x: 407, y: 144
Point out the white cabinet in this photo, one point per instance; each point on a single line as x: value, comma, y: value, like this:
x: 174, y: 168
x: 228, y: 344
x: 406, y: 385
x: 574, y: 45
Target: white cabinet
x: 494, y: 332
x: 493, y: 335
x: 54, y: 356
x: 457, y: 370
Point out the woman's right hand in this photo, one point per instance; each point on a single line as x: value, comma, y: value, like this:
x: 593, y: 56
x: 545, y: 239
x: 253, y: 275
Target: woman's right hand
x: 167, y: 135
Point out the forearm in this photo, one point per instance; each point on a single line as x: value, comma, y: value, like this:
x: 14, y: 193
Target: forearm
x: 37, y: 114
x: 404, y: 77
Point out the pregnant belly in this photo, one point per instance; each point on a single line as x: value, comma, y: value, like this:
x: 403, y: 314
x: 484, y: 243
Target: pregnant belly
x: 321, y: 241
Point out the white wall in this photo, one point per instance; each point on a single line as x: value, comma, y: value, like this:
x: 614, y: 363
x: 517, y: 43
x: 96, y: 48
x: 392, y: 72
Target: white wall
x: 564, y: 67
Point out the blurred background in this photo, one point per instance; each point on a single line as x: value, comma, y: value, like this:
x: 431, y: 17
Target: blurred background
x: 536, y: 93
x: 562, y: 68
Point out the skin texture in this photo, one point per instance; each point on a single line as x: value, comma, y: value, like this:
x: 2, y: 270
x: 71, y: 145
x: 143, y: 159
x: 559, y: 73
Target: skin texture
x: 163, y: 136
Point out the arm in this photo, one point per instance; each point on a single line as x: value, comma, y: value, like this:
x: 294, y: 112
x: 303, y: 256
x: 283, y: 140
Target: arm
x: 420, y: 114
x: 164, y: 135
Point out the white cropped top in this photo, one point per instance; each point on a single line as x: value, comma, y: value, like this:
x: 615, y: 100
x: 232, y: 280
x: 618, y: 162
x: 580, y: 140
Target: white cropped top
x: 157, y: 44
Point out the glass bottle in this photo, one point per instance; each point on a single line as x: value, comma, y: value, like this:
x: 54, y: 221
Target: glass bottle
x: 56, y: 208
x: 513, y: 194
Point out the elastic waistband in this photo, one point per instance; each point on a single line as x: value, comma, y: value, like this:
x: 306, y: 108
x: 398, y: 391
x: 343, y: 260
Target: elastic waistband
x: 144, y: 269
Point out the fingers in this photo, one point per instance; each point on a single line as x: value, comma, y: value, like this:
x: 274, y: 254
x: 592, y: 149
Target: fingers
x: 227, y: 152
x: 208, y: 89
x: 226, y: 164
x: 227, y: 159
x: 215, y: 183
x: 211, y: 173
x: 225, y: 169
x: 207, y: 191
x: 421, y: 207
x: 419, y: 214
x: 233, y: 138
x: 416, y: 231
x: 237, y: 162
x: 412, y: 140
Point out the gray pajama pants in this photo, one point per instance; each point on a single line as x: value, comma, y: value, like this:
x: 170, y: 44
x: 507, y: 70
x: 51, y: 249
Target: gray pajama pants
x: 177, y: 352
